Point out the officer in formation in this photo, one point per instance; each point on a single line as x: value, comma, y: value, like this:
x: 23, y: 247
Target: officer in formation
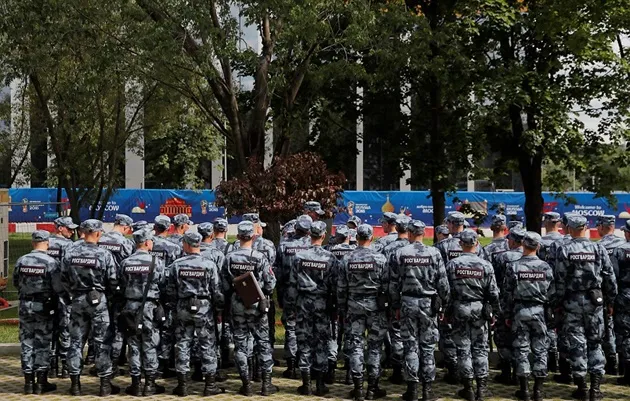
x: 182, y: 224
x: 388, y: 223
x: 194, y: 287
x: 502, y: 333
x: 311, y: 294
x: 220, y: 227
x: 142, y: 280
x: 89, y: 276
x: 474, y: 294
x: 418, y: 288
x: 499, y: 243
x: 621, y: 265
x: 442, y: 233
x: 585, y: 284
x: 354, y: 222
x: 250, y: 321
x: 59, y: 240
x: 121, y: 247
x: 362, y: 293
x: 284, y: 260
x: 451, y: 248
x: 37, y: 278
x: 606, y: 231
x: 528, y: 287
x: 393, y: 341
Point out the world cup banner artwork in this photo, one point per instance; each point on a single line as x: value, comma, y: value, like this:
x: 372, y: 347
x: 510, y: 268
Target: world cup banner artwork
x: 34, y: 205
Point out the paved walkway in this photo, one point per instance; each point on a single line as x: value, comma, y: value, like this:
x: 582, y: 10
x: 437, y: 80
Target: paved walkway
x: 11, y: 385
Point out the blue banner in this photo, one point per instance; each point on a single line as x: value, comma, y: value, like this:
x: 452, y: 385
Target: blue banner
x: 145, y: 204
x: 140, y: 204
x: 371, y: 205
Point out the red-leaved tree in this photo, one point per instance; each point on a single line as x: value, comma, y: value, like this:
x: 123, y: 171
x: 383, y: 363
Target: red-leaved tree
x: 278, y: 193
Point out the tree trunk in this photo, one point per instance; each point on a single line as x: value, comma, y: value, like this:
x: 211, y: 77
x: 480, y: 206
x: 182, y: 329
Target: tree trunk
x: 438, y: 199
x: 272, y: 231
x: 531, y: 174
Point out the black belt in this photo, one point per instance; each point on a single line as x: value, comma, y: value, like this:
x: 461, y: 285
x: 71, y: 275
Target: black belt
x: 37, y: 298
x: 417, y: 296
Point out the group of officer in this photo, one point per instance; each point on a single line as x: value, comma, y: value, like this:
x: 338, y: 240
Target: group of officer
x: 165, y: 297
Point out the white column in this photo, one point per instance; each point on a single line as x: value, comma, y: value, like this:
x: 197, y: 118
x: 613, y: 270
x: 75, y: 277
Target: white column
x: 219, y: 168
x: 20, y: 132
x: 405, y: 109
x: 134, y: 150
x: 359, y: 173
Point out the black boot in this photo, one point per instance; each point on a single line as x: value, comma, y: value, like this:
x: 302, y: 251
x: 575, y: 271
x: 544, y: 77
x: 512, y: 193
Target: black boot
x: 54, y: 368
x: 427, y: 392
x: 134, y: 389
x: 330, y: 374
x: 622, y: 366
x: 320, y: 384
x: 565, y: 372
x: 256, y: 370
x: 506, y: 373
x: 305, y: 388
x: 93, y: 372
x: 482, y: 389
x: 65, y: 373
x: 625, y: 380
x: 42, y: 386
x: 150, y: 388
x: 107, y: 388
x: 246, y: 388
x: 226, y: 362
x: 595, y: 393
x: 197, y: 376
x: 467, y: 392
x: 523, y: 392
x: 552, y: 362
x: 580, y: 392
x: 211, y: 387
x: 374, y: 391
x: 250, y: 369
x: 91, y: 356
x: 29, y: 383
x: 357, y: 393
x: 182, y: 385
x: 290, y: 372
x: 267, y: 387
x: 412, y: 392
x: 538, y: 389
x: 396, y: 377
x: 451, y: 374
x: 611, y: 365
x: 164, y: 369
x: 75, y: 386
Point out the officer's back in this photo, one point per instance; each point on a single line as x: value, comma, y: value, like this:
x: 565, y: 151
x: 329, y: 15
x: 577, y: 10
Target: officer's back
x: 194, y: 276
x: 36, y: 274
x: 621, y: 266
x: 363, y: 274
x: 115, y: 240
x: 87, y: 266
x: 342, y: 246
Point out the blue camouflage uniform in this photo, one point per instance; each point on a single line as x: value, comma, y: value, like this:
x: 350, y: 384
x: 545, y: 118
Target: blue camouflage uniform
x: 87, y: 268
x: 583, y: 269
x: 362, y: 289
x: 418, y: 286
x: 168, y: 252
x: 473, y: 285
x: 284, y: 260
x: 310, y: 291
x: 194, y: 288
x: 503, y: 334
x: 609, y: 242
x: 37, y: 280
x: 379, y: 244
x: 134, y: 277
x: 249, y: 321
x: 56, y: 247
x: 450, y: 249
x: 393, y: 332
x: 527, y: 288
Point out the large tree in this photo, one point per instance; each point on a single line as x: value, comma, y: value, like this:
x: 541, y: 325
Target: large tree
x: 553, y: 65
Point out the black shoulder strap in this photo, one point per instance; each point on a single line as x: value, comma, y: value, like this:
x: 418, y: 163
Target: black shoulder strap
x: 146, y: 288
